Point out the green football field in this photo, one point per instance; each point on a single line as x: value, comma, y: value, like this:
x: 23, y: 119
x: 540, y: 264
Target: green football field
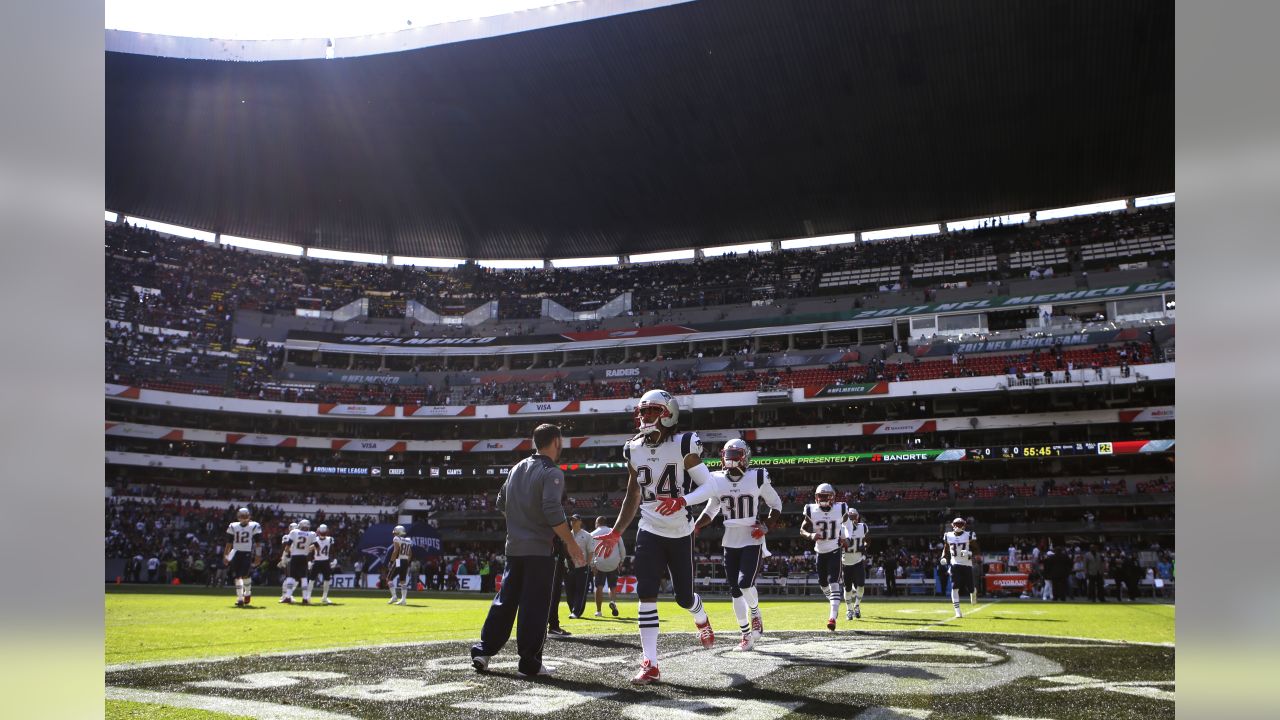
x: 149, y: 625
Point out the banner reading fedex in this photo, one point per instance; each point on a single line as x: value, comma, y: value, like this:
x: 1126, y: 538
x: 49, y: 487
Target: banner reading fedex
x: 375, y: 543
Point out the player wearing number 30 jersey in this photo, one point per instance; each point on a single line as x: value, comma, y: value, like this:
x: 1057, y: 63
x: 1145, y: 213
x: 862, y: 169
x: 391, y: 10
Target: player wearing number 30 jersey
x: 740, y: 491
x: 665, y: 476
x: 824, y: 524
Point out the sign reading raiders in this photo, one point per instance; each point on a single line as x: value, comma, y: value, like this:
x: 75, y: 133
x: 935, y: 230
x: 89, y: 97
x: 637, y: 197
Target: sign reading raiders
x: 845, y: 675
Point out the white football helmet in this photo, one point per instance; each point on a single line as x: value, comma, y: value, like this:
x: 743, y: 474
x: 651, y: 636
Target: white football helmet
x: 304, y: 525
x: 656, y: 410
x: 398, y: 530
x: 958, y: 524
x: 854, y: 515
x: 243, y: 514
x: 293, y: 526
x: 825, y: 495
x: 322, y: 530
x: 736, y: 456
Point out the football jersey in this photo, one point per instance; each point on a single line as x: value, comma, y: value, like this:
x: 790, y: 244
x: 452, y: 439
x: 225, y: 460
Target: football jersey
x: 242, y: 535
x: 661, y: 474
x: 961, y: 552
x: 406, y: 548
x: 299, y: 541
x: 739, y: 501
x: 323, y: 544
x: 857, y: 535
x: 827, y: 525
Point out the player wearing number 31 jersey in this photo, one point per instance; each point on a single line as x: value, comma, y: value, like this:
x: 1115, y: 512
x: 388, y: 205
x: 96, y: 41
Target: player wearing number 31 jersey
x: 824, y: 524
x: 665, y: 476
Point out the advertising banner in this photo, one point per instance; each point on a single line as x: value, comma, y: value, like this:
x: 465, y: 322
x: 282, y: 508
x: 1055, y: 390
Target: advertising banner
x: 375, y: 543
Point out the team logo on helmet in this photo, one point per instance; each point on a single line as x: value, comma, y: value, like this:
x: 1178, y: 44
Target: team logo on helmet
x: 656, y: 412
x: 736, y: 456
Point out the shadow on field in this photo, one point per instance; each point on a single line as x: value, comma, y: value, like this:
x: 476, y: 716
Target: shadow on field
x: 1006, y: 617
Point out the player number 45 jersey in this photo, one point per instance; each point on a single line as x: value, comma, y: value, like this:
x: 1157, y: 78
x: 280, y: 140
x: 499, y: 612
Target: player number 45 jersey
x: 242, y: 535
x: 660, y: 474
x: 961, y: 550
x: 827, y: 525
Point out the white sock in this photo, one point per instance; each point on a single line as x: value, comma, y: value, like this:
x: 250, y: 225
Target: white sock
x: 392, y: 585
x: 752, y: 596
x: 404, y: 591
x: 289, y: 585
x: 239, y: 588
x: 741, y: 613
x: 955, y: 599
x: 857, y: 596
x: 306, y: 589
x: 649, y: 631
x: 836, y: 595
x: 699, y: 615
x: 325, y: 587
x: 248, y: 587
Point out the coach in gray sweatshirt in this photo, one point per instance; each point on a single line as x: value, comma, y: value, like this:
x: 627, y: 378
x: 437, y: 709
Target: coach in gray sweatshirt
x: 530, y: 499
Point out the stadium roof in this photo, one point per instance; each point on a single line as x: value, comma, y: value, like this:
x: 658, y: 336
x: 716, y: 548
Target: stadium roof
x: 707, y: 123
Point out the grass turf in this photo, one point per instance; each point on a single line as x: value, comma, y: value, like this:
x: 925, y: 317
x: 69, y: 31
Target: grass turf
x: 122, y: 710
x: 175, y: 623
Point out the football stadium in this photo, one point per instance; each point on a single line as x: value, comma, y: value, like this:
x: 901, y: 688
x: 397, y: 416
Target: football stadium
x: 656, y: 359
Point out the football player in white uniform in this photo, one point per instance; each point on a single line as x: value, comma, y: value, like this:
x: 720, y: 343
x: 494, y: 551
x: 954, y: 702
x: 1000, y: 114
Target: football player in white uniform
x: 663, y: 468
x: 297, y: 547
x: 321, y: 554
x: 242, y: 553
x: 824, y: 524
x: 740, y: 490
x: 958, y: 549
x: 854, y: 560
x: 398, y: 565
x: 284, y: 562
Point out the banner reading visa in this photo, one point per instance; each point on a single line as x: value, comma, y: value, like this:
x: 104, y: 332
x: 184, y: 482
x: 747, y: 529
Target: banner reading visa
x: 880, y: 388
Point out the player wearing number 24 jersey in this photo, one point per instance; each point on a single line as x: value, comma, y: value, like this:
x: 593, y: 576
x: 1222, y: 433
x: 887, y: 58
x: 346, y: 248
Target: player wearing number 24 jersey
x: 665, y: 476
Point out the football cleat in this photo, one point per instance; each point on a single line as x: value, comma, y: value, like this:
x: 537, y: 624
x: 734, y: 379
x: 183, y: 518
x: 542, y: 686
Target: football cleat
x: 306, y: 601
x: 392, y: 601
x: 613, y: 608
x: 757, y: 623
x: 959, y: 614
x: 648, y: 674
x: 239, y: 602
x: 542, y: 670
x: 831, y: 624
x: 248, y: 599
x: 706, y: 635
x: 480, y: 663
x: 748, y: 640
x: 327, y: 601
x: 848, y: 614
x: 286, y: 600
x: 857, y: 612
x: 599, y: 614
x: 403, y: 601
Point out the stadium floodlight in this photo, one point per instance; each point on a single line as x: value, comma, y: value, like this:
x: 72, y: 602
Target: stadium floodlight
x: 355, y: 257
x: 110, y: 216
x: 663, y: 256
x: 975, y: 223
x: 167, y: 229
x: 510, y: 264
x: 1073, y: 211
x: 1162, y: 199
x: 262, y: 245
x: 585, y: 261
x: 796, y: 243
x: 901, y: 232
x: 426, y: 262
x: 743, y: 248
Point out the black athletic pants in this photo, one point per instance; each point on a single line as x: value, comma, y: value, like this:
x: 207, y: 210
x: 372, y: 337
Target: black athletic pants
x: 526, y: 593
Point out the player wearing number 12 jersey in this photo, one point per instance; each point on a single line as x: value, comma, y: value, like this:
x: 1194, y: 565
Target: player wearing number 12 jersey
x: 663, y: 468
x: 740, y: 490
x: 824, y: 524
x: 241, y: 554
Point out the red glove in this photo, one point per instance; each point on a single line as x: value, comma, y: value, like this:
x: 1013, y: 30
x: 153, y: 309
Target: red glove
x: 670, y: 506
x: 606, y: 543
x: 759, y: 531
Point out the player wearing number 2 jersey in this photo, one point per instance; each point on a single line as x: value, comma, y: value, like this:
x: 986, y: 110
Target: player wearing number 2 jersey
x: 663, y: 469
x: 824, y: 524
x: 740, y: 491
x: 241, y: 554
